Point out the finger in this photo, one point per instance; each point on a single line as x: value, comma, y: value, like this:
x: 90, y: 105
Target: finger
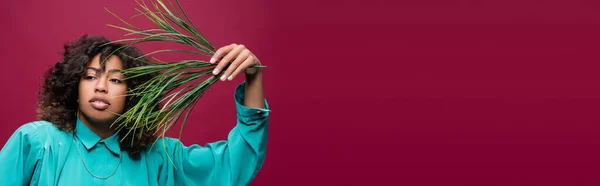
x: 229, y: 56
x: 228, y: 59
x: 219, y: 54
x: 234, y: 65
x: 250, y: 61
x: 222, y: 52
x: 251, y: 70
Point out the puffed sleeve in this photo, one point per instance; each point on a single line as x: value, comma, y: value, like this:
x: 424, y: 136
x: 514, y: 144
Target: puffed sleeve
x: 20, y: 155
x: 234, y: 161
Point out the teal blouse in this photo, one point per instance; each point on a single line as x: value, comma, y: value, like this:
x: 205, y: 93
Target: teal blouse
x: 38, y: 153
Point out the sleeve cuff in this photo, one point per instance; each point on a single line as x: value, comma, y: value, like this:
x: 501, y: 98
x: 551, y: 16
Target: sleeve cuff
x: 247, y: 112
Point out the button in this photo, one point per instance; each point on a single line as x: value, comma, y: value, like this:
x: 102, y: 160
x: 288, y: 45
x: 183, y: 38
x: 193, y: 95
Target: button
x: 258, y: 111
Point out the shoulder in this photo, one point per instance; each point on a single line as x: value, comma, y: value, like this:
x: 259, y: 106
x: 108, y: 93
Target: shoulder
x: 40, y: 132
x: 39, y: 127
x: 162, y: 150
x: 163, y: 144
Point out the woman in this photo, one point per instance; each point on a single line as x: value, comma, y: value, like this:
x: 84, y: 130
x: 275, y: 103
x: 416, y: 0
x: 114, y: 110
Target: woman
x: 73, y: 143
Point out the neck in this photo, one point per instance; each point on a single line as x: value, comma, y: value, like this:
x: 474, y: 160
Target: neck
x: 102, y: 129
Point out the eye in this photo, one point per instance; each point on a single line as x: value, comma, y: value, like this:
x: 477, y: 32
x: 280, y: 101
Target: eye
x: 118, y: 81
x: 89, y: 77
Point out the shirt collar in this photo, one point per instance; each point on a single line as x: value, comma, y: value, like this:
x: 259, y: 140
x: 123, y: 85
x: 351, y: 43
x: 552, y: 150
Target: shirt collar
x: 90, y: 139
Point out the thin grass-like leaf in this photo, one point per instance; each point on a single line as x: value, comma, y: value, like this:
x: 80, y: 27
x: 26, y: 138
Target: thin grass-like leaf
x: 181, y: 83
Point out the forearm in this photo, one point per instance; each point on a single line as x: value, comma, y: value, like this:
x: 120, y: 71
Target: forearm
x: 254, y: 96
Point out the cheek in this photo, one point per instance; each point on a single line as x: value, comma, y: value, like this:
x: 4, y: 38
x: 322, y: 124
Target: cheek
x: 84, y: 90
x: 119, y: 95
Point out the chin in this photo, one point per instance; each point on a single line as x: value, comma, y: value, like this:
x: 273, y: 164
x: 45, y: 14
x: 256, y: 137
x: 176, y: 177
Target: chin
x: 100, y: 116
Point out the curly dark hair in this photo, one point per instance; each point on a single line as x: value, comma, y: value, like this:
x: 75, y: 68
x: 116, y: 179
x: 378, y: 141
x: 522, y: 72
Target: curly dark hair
x: 59, y: 93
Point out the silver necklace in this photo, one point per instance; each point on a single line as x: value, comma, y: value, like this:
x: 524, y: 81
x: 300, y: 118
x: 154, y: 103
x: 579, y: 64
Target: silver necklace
x: 88, y: 170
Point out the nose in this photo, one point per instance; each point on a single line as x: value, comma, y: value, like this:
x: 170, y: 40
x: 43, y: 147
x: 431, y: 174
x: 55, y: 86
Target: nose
x: 101, y: 85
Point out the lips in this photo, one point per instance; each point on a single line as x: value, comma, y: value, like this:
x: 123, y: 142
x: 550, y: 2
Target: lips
x: 99, y: 103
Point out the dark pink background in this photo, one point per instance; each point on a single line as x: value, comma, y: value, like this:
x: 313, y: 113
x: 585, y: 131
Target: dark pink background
x: 428, y: 92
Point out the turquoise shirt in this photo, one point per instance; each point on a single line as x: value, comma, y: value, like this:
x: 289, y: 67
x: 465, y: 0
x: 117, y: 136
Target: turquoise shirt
x: 38, y: 153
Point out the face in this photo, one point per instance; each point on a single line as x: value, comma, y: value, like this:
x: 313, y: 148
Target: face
x: 102, y: 92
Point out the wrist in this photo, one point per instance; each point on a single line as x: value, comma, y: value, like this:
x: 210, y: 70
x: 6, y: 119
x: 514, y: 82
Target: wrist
x: 256, y: 75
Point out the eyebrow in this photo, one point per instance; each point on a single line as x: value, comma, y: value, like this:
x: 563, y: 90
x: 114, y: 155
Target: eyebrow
x: 98, y: 70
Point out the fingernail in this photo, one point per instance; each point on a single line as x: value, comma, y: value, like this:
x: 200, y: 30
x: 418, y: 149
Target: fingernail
x: 212, y: 60
x: 230, y: 78
x: 223, y: 78
x: 216, y: 71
